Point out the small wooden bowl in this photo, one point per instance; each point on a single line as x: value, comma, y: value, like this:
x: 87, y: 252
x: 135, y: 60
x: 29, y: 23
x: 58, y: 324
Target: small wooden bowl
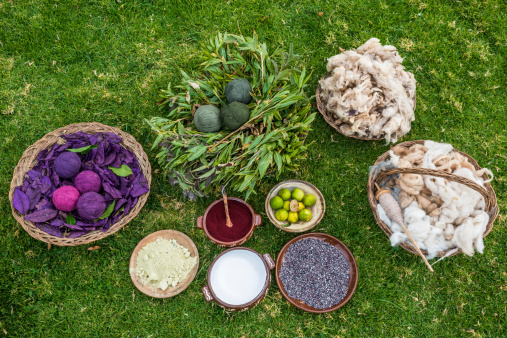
x: 182, y: 240
x: 353, y: 272
x: 317, y: 210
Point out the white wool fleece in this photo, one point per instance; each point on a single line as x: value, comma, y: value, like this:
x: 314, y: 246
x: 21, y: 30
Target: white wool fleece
x: 369, y: 93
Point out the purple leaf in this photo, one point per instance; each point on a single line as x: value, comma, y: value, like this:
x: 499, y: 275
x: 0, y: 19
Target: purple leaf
x: 111, y: 190
x: 45, y: 184
x: 43, y: 204
x: 34, y: 195
x: 93, y: 139
x: 113, y: 138
x: 129, y: 205
x: 138, y: 190
x: 55, y: 179
x: 74, y: 227
x: 50, y: 154
x: 109, y: 159
x: 25, y: 186
x: 129, y: 156
x: 117, y: 161
x: 42, y: 154
x: 20, y: 201
x: 111, y: 177
x: 52, y: 230
x: 99, y: 157
x: 119, y: 204
x: 42, y: 215
x: 57, y: 222
x: 75, y: 234
x: 33, y: 174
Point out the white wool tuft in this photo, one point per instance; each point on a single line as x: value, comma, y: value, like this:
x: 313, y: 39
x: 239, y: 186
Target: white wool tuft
x: 369, y: 93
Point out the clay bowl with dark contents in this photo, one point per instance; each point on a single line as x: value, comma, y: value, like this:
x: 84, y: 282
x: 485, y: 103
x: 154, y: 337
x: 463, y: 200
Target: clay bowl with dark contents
x: 243, y: 218
x: 238, y: 279
x: 353, y: 272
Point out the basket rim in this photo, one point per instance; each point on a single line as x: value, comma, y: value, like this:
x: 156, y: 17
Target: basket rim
x: 29, y: 159
x: 321, y: 107
x: 493, y: 212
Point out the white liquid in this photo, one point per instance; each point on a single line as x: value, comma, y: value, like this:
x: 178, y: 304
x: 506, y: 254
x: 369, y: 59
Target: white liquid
x: 238, y: 277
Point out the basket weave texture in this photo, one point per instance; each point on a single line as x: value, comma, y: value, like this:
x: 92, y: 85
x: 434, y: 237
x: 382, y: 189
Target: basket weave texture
x: 29, y: 160
x: 487, y: 192
x: 321, y: 107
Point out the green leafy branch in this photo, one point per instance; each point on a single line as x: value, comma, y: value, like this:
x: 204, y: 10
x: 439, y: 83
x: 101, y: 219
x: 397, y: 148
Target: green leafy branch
x: 270, y: 142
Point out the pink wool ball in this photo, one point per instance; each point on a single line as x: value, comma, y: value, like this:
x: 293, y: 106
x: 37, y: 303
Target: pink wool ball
x: 65, y: 198
x: 87, y: 181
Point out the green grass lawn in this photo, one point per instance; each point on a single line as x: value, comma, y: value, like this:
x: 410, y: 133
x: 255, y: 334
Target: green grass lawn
x: 64, y: 62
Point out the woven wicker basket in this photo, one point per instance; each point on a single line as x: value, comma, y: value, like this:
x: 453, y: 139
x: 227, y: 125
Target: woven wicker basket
x: 487, y: 192
x: 321, y: 107
x: 29, y: 160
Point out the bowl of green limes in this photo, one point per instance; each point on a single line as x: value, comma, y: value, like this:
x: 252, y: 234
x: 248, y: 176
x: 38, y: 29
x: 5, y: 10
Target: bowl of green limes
x: 295, y: 206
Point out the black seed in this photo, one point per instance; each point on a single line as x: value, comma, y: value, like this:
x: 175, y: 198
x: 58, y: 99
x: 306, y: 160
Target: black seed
x: 315, y: 272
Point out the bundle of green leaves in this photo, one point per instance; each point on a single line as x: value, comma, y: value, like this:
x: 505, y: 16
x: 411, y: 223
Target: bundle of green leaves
x: 269, y: 143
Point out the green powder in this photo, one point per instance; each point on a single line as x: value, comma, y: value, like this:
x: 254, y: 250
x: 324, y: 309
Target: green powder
x: 164, y: 263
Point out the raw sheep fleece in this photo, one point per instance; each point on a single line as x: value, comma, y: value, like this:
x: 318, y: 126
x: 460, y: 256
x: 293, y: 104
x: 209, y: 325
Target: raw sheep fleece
x: 369, y: 93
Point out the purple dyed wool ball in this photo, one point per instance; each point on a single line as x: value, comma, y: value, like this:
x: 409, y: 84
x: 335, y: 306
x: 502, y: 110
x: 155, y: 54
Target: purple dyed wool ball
x: 65, y: 198
x: 91, y: 205
x: 67, y: 164
x: 87, y: 181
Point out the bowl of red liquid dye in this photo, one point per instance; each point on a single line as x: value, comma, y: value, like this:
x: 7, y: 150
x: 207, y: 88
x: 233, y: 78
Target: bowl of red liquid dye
x: 243, y: 218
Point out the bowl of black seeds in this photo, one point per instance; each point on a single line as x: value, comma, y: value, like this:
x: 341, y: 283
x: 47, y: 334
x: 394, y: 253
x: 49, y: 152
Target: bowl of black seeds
x: 316, y: 272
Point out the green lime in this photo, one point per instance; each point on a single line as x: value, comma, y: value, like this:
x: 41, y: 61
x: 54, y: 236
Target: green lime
x: 298, y: 194
x: 276, y: 202
x: 281, y: 215
x: 309, y: 200
x: 293, y: 217
x: 284, y: 194
x: 286, y: 205
x: 305, y: 215
x: 301, y: 206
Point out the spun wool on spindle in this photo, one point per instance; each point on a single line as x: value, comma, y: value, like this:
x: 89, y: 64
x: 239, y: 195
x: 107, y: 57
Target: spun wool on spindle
x: 369, y: 93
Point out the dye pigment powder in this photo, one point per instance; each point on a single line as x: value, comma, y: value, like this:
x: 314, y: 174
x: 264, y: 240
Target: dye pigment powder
x: 241, y: 218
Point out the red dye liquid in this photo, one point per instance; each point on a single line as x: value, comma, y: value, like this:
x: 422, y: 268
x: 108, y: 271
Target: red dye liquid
x: 241, y: 219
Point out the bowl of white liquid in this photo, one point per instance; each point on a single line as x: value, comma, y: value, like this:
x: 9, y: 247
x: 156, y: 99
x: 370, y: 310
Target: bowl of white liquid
x: 238, y: 279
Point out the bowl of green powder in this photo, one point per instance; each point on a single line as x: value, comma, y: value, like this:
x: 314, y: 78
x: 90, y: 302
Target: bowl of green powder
x: 164, y: 263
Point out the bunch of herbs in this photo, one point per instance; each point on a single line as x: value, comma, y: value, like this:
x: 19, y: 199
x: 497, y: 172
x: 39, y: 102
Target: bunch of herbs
x: 272, y: 141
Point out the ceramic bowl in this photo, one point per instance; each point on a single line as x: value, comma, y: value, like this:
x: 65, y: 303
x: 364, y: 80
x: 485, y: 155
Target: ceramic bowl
x: 218, y: 206
x: 182, y: 240
x: 238, y: 279
x: 317, y: 210
x: 353, y: 272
